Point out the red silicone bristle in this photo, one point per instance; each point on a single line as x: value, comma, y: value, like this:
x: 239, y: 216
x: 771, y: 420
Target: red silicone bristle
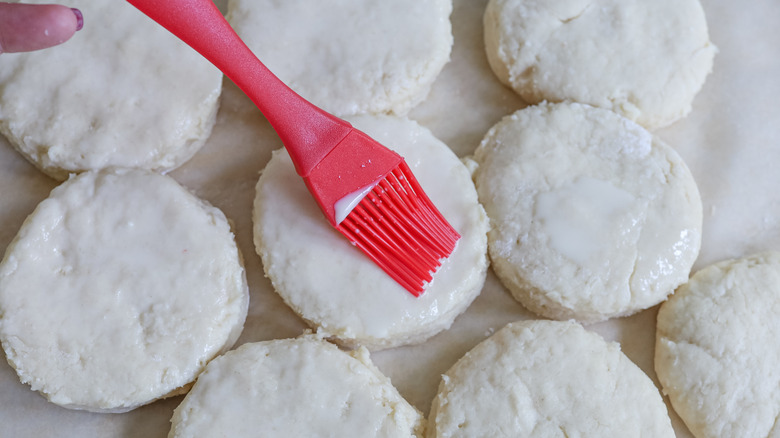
x: 401, y: 230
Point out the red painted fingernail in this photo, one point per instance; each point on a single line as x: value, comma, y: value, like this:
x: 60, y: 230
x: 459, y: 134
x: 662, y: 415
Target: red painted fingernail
x: 79, y: 18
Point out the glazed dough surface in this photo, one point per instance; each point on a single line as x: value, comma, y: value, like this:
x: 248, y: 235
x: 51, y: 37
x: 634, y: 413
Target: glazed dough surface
x: 645, y: 60
x: 592, y: 217
x: 294, y: 388
x: 118, y: 289
x: 350, y: 56
x: 340, y: 291
x: 547, y: 379
x: 122, y: 92
x: 716, y: 350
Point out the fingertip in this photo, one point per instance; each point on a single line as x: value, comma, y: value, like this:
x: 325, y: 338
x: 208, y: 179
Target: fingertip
x: 62, y: 22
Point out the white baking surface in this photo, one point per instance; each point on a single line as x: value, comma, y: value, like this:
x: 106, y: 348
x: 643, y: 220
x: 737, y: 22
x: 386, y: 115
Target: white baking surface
x: 731, y: 141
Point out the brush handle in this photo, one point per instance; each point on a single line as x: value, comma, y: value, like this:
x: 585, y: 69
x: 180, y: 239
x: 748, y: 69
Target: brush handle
x: 308, y: 132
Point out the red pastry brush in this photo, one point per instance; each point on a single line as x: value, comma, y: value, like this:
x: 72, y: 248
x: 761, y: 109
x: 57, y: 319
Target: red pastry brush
x: 364, y: 189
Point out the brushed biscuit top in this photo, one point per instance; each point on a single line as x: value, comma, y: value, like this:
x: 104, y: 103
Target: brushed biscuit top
x: 294, y: 388
x: 716, y: 351
x: 123, y: 92
x: 592, y: 217
x: 118, y: 289
x: 645, y: 60
x: 350, y: 56
x: 547, y: 379
x: 339, y: 290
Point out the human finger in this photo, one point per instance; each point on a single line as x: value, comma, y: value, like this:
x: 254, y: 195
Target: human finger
x: 28, y: 27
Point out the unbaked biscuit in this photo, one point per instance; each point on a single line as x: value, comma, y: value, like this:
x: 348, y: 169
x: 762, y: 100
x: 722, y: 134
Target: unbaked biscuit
x: 592, y: 217
x: 547, y: 379
x: 118, y: 289
x: 122, y: 92
x: 302, y: 387
x: 333, y: 285
x: 645, y: 60
x: 350, y: 56
x: 716, y: 351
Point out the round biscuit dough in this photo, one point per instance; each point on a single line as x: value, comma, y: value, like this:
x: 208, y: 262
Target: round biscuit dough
x: 645, y: 60
x: 288, y: 388
x: 118, y: 289
x: 122, y: 92
x: 547, y: 379
x: 333, y: 285
x: 592, y: 217
x: 716, y: 351
x: 350, y: 56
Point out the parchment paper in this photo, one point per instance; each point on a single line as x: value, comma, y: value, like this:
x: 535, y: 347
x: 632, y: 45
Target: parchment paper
x: 731, y: 141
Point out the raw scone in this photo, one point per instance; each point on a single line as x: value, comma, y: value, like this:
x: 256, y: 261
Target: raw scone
x: 333, y: 285
x: 118, y: 289
x: 716, y: 351
x: 592, y: 217
x: 645, y: 60
x: 122, y: 92
x: 291, y: 388
x: 547, y: 379
x: 350, y: 56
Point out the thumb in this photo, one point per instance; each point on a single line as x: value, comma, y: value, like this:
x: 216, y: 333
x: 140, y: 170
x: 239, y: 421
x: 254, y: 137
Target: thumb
x: 26, y: 27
